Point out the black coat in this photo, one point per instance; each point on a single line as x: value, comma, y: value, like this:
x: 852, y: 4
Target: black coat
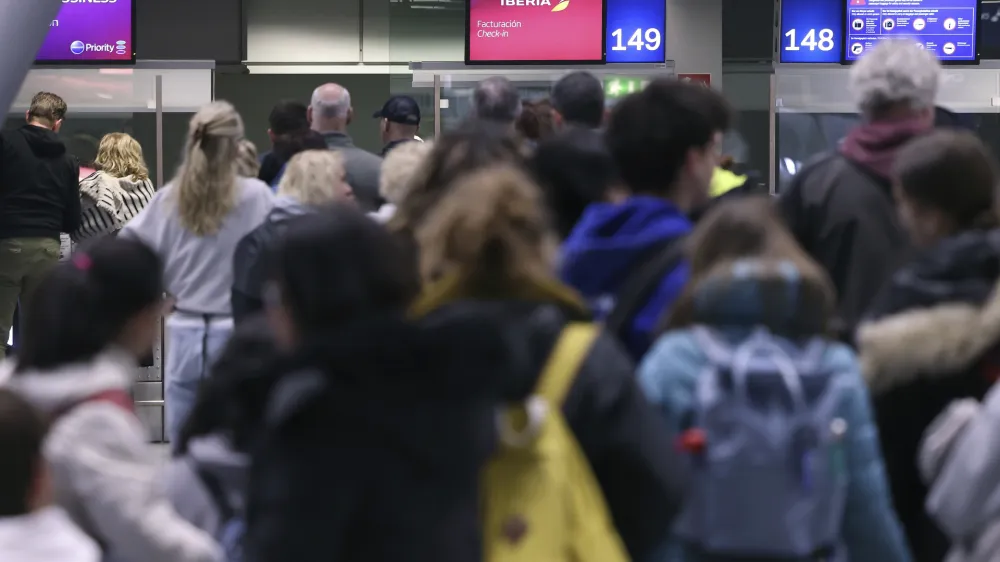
x: 929, y: 340
x: 376, y: 450
x: 39, y: 185
x: 844, y: 217
x: 250, y: 261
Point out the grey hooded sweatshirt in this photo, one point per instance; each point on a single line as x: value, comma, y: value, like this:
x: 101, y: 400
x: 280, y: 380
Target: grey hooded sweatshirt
x: 960, y: 460
x: 104, y: 472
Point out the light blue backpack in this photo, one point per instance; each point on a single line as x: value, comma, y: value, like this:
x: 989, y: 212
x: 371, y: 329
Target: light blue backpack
x: 766, y: 449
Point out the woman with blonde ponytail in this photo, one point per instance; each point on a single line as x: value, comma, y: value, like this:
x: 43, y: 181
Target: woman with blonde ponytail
x: 194, y: 224
x: 488, y: 248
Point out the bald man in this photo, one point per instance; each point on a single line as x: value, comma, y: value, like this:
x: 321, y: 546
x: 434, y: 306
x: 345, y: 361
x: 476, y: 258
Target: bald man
x: 329, y: 114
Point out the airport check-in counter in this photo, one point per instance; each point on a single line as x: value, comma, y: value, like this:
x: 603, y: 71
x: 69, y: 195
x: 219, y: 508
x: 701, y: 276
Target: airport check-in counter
x: 151, y: 101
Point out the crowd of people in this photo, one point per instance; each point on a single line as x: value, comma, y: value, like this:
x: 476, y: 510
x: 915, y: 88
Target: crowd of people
x: 559, y: 332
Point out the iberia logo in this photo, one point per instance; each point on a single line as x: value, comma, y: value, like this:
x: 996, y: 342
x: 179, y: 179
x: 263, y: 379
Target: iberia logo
x: 561, y: 6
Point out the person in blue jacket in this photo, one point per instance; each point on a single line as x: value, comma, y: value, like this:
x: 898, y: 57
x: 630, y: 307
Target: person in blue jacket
x: 666, y: 142
x: 747, y: 272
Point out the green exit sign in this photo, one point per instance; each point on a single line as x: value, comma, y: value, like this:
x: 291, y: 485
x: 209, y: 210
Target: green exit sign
x: 615, y: 88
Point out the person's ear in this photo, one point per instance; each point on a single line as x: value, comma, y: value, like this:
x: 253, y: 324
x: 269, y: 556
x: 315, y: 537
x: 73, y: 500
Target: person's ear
x: 27, y: 116
x: 270, y: 135
x: 557, y: 119
x: 57, y: 126
x: 309, y: 115
x: 350, y: 115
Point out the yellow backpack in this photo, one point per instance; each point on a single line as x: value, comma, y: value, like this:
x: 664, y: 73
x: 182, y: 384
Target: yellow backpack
x: 542, y: 501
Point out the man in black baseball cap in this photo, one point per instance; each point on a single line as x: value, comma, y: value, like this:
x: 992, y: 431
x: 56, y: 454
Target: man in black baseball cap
x: 400, y: 121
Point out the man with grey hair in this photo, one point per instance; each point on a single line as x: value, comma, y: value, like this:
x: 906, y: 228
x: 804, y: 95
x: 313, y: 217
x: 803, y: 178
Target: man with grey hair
x: 840, y: 206
x: 496, y: 99
x: 329, y: 114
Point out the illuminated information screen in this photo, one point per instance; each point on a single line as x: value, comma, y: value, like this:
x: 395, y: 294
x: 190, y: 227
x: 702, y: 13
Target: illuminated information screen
x: 945, y: 27
x: 534, y: 31
x: 89, y: 31
x: 811, y: 31
x: 635, y: 31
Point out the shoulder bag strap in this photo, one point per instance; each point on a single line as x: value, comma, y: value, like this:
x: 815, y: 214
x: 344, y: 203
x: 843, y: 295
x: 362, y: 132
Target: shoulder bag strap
x: 640, y: 285
x: 565, y: 360
x: 215, y: 490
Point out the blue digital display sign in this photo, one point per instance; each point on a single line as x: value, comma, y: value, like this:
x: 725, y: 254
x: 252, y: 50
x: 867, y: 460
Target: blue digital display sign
x: 635, y: 31
x: 945, y: 27
x: 811, y: 31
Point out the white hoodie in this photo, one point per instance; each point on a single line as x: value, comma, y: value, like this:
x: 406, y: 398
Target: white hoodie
x: 46, y: 535
x: 104, y: 472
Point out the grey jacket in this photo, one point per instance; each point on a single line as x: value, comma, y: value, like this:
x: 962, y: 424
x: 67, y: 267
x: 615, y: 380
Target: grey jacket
x: 187, y: 490
x: 960, y: 460
x: 362, y: 167
x: 104, y: 472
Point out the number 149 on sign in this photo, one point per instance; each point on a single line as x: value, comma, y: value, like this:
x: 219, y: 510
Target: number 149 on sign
x: 648, y: 39
x: 812, y: 40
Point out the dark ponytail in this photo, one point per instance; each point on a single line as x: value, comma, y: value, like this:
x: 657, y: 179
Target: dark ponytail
x: 82, y: 305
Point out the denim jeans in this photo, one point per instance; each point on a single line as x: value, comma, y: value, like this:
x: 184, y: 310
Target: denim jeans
x: 192, y: 344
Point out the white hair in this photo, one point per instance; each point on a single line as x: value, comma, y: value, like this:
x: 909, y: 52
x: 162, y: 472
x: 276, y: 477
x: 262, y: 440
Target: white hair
x: 313, y: 177
x: 399, y: 167
x: 331, y: 109
x: 895, y: 72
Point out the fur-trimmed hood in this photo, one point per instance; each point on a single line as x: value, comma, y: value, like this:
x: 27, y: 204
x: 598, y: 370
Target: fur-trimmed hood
x: 938, y: 316
x: 934, y: 341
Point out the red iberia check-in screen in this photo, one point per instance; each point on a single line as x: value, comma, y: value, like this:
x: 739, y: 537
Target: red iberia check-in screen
x: 535, y: 31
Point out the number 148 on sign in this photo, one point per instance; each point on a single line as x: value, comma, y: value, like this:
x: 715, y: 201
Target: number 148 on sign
x: 813, y: 39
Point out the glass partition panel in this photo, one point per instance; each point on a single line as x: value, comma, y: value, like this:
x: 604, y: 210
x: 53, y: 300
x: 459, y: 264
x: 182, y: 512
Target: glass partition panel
x: 747, y: 87
x: 815, y: 109
x: 457, y: 82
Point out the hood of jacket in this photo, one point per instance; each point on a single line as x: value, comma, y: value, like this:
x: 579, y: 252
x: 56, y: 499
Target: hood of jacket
x: 937, y: 316
x: 603, y: 247
x: 43, y: 536
x: 50, y: 391
x: 43, y: 142
x: 286, y: 208
x: 411, y: 386
x: 874, y: 145
x: 753, y: 293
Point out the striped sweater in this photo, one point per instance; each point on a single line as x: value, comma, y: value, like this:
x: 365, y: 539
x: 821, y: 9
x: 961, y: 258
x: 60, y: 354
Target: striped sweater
x: 107, y: 203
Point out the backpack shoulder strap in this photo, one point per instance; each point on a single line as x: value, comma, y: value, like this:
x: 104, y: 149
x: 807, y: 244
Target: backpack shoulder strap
x: 642, y: 282
x: 565, y: 360
x: 215, y: 490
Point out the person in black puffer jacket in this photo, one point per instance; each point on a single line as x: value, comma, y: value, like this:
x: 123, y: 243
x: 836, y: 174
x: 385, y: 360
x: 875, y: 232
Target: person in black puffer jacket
x: 932, y: 334
x: 376, y: 433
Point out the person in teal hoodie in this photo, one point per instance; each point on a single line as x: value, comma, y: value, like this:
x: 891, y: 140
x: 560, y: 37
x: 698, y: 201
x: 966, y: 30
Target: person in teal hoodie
x: 665, y: 141
x: 748, y: 273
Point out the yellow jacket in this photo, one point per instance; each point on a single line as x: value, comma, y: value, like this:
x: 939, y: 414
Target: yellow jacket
x: 724, y: 181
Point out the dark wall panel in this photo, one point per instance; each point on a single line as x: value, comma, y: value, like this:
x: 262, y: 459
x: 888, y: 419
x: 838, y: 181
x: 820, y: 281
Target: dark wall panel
x: 254, y: 95
x: 748, y: 29
x: 189, y: 30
